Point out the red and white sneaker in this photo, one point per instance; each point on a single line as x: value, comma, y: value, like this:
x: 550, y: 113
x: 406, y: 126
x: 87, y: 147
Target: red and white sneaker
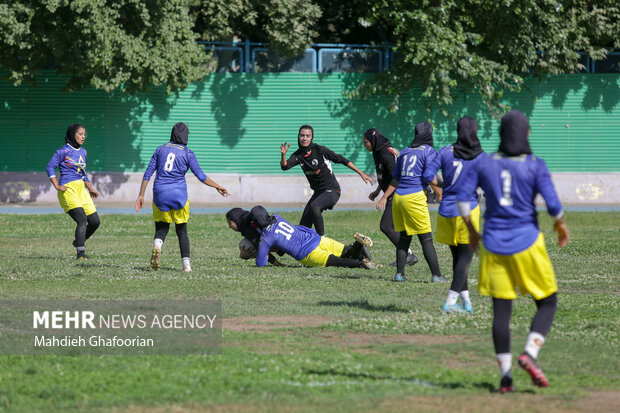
x: 505, y: 384
x: 529, y: 364
x: 363, y: 239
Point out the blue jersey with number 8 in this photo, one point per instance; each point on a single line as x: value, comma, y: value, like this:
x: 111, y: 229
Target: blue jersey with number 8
x: 296, y: 240
x: 510, y: 185
x: 172, y: 161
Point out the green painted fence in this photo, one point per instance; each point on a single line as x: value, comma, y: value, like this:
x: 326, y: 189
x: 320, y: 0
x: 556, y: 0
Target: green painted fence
x: 237, y: 121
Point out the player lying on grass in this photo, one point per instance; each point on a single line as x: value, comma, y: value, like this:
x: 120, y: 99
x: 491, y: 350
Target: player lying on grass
x: 305, y: 244
x: 513, y: 253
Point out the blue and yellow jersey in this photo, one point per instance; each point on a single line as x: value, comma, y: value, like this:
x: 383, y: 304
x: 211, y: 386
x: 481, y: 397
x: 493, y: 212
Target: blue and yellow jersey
x: 171, y: 162
x: 453, y: 169
x: 70, y: 162
x: 295, y: 240
x: 413, y: 169
x: 510, y: 185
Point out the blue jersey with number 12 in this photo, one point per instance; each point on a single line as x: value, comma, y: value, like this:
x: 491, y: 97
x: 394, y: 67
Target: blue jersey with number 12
x: 413, y: 169
x: 296, y: 240
x: 510, y: 185
x: 172, y: 161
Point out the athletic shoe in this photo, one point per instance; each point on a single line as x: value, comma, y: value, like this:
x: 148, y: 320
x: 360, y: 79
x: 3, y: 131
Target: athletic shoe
x: 505, y: 384
x: 370, y: 265
x: 81, y: 255
x: 467, y: 307
x: 529, y: 364
x: 363, y: 239
x: 411, y: 260
x: 399, y: 278
x: 439, y: 279
x: 155, y: 258
x: 187, y: 267
x: 452, y: 309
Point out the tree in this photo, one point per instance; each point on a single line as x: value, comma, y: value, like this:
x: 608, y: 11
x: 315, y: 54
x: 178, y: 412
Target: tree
x: 134, y: 45
x: 486, y: 46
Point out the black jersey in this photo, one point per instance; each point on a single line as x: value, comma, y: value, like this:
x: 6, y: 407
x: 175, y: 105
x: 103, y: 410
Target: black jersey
x: 385, y: 159
x: 317, y: 165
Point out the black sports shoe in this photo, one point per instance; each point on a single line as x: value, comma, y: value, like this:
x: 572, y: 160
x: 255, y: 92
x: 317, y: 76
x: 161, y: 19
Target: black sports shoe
x: 81, y: 255
x: 505, y: 384
x: 411, y: 260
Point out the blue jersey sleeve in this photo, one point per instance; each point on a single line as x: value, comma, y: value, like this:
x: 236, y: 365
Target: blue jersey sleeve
x: 150, y: 170
x: 54, y: 163
x: 397, y: 167
x: 431, y: 166
x: 468, y: 182
x: 544, y: 186
x: 262, y: 257
x: 195, y: 168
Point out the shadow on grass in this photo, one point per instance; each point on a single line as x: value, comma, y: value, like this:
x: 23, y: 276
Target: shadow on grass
x: 411, y: 379
x: 364, y: 305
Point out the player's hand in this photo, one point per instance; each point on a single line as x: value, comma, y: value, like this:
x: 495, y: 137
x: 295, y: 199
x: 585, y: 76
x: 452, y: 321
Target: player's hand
x: 139, y: 203
x: 381, y: 204
x: 284, y: 148
x: 373, y: 195
x: 367, y: 179
x: 474, y: 240
x: 62, y: 188
x: 94, y: 193
x: 223, y: 192
x: 562, y: 230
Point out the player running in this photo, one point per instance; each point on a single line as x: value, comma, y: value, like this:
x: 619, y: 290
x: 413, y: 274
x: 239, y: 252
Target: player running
x: 513, y: 252
x: 170, y: 200
x: 384, y: 156
x: 75, y: 192
x: 414, y: 172
x: 316, y: 162
x: 306, y: 245
x: 455, y: 161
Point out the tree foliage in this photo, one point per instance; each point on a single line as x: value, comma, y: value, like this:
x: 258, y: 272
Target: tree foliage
x: 106, y: 44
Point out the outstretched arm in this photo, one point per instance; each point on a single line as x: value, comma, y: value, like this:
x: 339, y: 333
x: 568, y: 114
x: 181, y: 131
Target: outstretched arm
x: 91, y: 189
x: 381, y: 203
x: 220, y: 189
x: 140, y: 200
x: 365, y: 177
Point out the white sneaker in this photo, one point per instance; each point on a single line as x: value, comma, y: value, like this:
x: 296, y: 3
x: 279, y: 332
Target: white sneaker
x: 187, y: 267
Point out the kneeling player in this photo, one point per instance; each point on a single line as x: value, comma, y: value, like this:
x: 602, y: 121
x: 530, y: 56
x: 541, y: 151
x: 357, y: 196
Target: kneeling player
x: 306, y: 245
x: 239, y: 220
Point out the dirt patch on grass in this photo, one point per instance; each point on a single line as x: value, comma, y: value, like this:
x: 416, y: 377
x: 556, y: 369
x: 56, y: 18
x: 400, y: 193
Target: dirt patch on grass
x: 267, y: 323
x: 363, y: 339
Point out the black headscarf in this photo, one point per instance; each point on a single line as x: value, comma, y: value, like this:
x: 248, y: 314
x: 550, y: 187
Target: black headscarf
x: 261, y: 217
x: 241, y: 218
x: 376, y: 139
x: 467, y: 144
x: 180, y: 134
x: 70, y: 135
x: 513, y: 134
x: 423, y: 135
x: 308, y: 148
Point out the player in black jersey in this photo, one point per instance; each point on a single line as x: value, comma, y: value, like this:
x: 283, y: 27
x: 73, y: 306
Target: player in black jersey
x: 315, y: 161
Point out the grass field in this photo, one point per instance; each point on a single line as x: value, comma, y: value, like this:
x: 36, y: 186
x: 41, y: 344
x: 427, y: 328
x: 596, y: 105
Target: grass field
x: 303, y: 339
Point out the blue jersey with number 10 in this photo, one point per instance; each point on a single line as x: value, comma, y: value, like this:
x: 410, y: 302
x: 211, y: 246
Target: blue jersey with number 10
x: 172, y: 161
x: 297, y: 241
x: 510, y: 185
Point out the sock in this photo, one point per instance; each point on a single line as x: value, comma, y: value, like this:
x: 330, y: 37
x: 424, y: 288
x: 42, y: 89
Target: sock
x: 504, y: 361
x: 465, y: 296
x: 80, y: 249
x: 534, y: 343
x: 452, y: 297
x: 409, y: 252
x: 158, y: 243
x: 186, y: 263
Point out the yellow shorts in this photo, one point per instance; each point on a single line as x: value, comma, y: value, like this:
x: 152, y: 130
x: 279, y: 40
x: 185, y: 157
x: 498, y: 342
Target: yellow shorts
x: 76, y: 196
x: 452, y: 231
x: 178, y: 216
x: 411, y: 213
x: 318, y: 257
x: 529, y: 270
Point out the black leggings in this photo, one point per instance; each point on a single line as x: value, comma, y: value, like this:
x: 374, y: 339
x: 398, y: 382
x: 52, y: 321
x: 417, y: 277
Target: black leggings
x: 333, y: 261
x: 315, y: 207
x: 426, y: 240
x: 387, y: 223
x: 541, y: 323
x: 161, y: 230
x: 461, y: 260
x: 86, y: 225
